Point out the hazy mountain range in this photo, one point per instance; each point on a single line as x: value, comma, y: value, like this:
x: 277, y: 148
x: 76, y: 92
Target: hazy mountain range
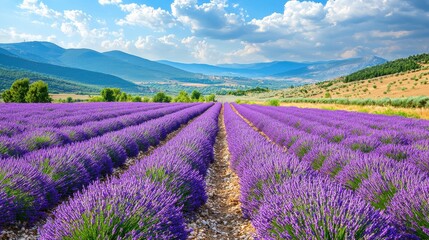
x: 93, y: 70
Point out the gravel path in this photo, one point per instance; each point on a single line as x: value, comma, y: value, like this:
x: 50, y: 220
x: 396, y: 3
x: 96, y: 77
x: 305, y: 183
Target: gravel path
x: 221, y: 217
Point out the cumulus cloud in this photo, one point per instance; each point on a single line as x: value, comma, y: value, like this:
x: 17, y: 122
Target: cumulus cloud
x: 109, y: 2
x: 115, y: 44
x: 218, y: 31
x: 146, y: 16
x: 38, y: 8
x: 210, y: 19
x: 12, y: 35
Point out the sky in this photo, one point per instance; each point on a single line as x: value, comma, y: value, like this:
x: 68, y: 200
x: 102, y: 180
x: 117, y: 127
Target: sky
x: 224, y: 31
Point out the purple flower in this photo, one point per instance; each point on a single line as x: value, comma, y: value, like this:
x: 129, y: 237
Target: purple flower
x: 409, y: 207
x: 361, y: 168
x: 364, y: 144
x: 334, y: 163
x: 261, y: 175
x: 380, y: 188
x: 28, y: 192
x: 313, y: 208
x: 129, y: 208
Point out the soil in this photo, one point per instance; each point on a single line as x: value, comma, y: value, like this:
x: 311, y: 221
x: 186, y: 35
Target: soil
x: 221, y: 217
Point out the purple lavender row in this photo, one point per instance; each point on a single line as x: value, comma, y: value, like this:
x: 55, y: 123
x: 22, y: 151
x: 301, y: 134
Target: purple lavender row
x: 35, y: 183
x: 404, y: 133
x: 376, y: 178
x: 45, y: 138
x: 147, y: 201
x: 392, y: 144
x: 285, y: 199
x: 411, y: 128
x: 18, y: 126
x: 39, y: 110
x: 369, y: 120
x: 61, y: 120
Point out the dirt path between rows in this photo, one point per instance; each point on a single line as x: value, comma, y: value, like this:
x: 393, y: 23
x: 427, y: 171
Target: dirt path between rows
x: 221, y: 217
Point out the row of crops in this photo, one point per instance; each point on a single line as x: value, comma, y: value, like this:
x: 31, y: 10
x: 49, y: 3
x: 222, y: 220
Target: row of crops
x: 35, y: 181
x: 303, y: 173
x: 331, y: 174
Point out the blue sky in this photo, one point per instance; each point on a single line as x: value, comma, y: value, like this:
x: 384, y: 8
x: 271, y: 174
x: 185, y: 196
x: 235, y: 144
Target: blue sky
x: 224, y: 31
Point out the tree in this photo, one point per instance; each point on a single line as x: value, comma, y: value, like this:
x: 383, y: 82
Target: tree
x: 123, y: 97
x: 327, y: 95
x: 7, y: 96
x: 117, y: 93
x: 195, y: 95
x: 210, y: 98
x: 136, y: 99
x: 108, y: 95
x: 38, y: 93
x: 161, y: 97
x: 69, y: 100
x: 182, y: 97
x: 19, y: 90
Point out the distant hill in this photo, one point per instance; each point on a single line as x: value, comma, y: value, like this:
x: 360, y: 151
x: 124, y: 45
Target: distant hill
x: 120, y: 64
x: 406, y: 77
x: 316, y: 71
x: 74, y: 75
x: 56, y: 85
x: 135, y: 74
x: 392, y: 67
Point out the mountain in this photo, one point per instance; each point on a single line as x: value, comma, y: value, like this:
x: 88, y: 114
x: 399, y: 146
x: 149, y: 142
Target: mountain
x: 332, y: 69
x: 237, y: 70
x: 157, y: 70
x: 74, y: 75
x: 135, y: 74
x: 116, y: 63
x: 322, y: 70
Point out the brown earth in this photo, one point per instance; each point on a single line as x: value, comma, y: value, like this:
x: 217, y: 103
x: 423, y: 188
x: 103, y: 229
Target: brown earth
x: 221, y: 217
x: 407, y: 84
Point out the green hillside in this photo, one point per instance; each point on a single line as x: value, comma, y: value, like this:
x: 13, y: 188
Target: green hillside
x: 392, y: 67
x: 56, y: 85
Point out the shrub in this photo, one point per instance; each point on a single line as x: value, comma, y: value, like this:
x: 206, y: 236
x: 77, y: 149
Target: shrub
x: 273, y: 102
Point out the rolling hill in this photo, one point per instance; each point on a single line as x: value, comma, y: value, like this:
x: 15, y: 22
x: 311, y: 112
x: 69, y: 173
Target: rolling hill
x: 316, y: 71
x: 77, y: 76
x: 56, y: 85
x: 120, y: 64
x: 135, y: 74
x: 406, y: 77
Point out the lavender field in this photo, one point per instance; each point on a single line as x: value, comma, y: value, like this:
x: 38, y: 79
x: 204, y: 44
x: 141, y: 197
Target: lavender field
x: 150, y: 171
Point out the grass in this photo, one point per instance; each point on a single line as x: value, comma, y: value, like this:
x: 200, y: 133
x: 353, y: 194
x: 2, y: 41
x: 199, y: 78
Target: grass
x: 421, y: 113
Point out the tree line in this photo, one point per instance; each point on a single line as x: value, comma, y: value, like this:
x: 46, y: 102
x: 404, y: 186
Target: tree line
x: 22, y: 91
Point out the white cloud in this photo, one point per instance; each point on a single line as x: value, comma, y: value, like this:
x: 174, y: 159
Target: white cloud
x: 109, y: 2
x: 12, y: 35
x: 38, y: 8
x: 220, y: 30
x: 146, y: 16
x: 151, y: 42
x: 76, y: 22
x: 116, y: 44
x: 210, y: 19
